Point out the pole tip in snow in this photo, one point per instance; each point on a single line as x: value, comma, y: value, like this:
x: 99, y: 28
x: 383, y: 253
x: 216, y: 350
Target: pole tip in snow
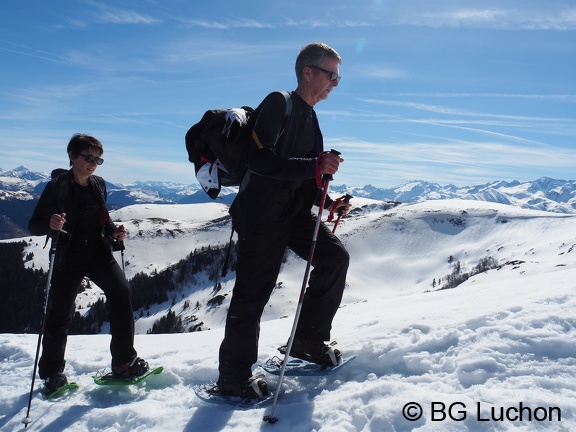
x: 270, y: 419
x: 27, y: 421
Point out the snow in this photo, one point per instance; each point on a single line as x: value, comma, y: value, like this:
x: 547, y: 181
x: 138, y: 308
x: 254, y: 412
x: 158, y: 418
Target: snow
x: 496, y: 353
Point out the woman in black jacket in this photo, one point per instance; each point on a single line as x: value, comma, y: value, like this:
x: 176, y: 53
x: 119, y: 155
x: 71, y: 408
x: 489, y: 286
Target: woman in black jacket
x: 73, y: 208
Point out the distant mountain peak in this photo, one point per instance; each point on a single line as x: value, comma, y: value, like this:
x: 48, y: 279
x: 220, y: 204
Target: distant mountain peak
x: 546, y: 194
x: 22, y: 172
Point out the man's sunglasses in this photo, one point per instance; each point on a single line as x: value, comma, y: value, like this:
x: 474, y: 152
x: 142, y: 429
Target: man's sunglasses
x: 332, y: 76
x: 91, y: 159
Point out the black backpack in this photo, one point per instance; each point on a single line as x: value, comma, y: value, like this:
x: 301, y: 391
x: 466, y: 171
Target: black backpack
x: 218, y: 145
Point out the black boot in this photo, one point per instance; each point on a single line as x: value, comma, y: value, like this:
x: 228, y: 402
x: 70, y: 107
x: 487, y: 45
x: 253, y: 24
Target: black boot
x: 315, y: 351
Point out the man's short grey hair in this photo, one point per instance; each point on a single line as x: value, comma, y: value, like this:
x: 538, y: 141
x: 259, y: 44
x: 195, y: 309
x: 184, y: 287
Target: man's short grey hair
x: 314, y: 54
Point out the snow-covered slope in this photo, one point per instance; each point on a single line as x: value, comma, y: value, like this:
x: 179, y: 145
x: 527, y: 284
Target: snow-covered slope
x: 497, y: 351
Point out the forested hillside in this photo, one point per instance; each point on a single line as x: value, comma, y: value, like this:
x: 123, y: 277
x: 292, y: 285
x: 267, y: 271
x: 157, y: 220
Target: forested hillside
x: 22, y: 290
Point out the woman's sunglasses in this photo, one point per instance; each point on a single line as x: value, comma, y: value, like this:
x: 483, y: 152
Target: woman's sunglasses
x: 92, y: 159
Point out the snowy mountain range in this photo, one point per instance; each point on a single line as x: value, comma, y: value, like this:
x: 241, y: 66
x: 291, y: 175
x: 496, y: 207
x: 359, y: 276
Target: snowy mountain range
x: 492, y: 352
x: 20, y: 188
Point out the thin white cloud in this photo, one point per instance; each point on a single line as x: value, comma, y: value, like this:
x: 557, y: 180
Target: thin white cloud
x: 273, y: 22
x: 455, y: 152
x: 458, y: 162
x: 499, y: 126
x: 460, y: 112
x: 553, y: 97
x: 535, y: 18
x: 220, y: 51
x: 226, y: 24
x: 114, y: 15
x: 35, y: 53
x: 459, y: 18
x: 118, y: 16
x: 381, y: 72
x: 517, y: 15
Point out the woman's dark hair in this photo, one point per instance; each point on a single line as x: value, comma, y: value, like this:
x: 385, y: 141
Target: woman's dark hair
x: 81, y: 142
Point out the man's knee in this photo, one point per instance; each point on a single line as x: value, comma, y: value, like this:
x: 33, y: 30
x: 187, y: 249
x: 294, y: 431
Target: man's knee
x: 339, y: 257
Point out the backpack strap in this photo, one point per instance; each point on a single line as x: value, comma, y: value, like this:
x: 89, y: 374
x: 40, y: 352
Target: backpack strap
x: 287, y: 116
x: 61, y: 178
x: 288, y: 99
x: 99, y: 186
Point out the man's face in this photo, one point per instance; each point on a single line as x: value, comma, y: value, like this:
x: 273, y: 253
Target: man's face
x: 320, y: 83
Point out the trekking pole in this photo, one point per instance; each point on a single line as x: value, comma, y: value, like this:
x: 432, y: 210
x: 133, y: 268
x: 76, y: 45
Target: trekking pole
x: 28, y: 420
x: 326, y: 178
x: 346, y: 200
x: 122, y: 247
x: 123, y: 269
x: 118, y: 245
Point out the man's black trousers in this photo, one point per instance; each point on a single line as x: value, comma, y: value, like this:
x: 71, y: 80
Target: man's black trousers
x: 259, y: 259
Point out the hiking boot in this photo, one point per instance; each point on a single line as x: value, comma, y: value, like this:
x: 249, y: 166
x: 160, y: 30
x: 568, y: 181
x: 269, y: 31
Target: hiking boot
x: 254, y: 388
x: 315, y: 351
x: 54, y: 382
x: 133, y: 369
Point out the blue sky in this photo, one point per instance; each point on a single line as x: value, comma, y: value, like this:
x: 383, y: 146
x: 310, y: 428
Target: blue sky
x: 460, y: 92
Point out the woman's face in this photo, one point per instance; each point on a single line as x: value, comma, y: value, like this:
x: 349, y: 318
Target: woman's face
x: 86, y: 162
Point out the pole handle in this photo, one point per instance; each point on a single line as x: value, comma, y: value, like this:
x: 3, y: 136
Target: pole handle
x: 328, y: 177
x: 347, y: 198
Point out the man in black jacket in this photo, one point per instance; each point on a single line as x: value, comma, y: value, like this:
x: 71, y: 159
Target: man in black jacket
x: 273, y: 211
x: 73, y: 207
